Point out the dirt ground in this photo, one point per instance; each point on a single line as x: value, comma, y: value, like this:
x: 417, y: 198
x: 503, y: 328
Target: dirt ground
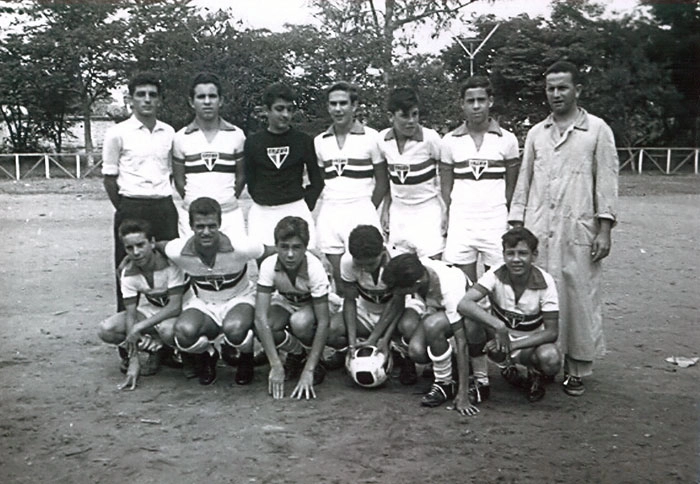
x: 62, y: 419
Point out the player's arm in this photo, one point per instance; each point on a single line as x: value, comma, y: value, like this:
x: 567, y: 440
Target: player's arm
x: 516, y: 213
x: 537, y: 338
x: 240, y: 176
x: 469, y: 308
x: 264, y: 334
x: 381, y: 183
x: 179, y: 175
x: 305, y: 387
x: 170, y: 310
x: 512, y: 170
x: 389, y: 317
x: 249, y: 166
x: 461, y: 402
x: 350, y: 294
x: 313, y: 190
x: 134, y: 369
x: 111, y: 151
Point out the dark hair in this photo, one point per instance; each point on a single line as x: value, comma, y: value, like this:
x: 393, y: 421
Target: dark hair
x: 135, y: 226
x: 402, y: 99
x: 403, y: 271
x: 291, y: 226
x: 205, y: 78
x: 351, y: 89
x: 519, y: 234
x: 205, y: 206
x: 276, y: 91
x: 365, y: 241
x: 565, y: 67
x: 143, y: 78
x: 476, y: 82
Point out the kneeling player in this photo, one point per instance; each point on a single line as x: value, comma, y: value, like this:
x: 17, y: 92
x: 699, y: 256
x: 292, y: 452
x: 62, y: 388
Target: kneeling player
x: 434, y: 289
x: 369, y: 310
x: 224, y: 306
x: 154, y: 290
x: 523, y: 324
x: 292, y: 310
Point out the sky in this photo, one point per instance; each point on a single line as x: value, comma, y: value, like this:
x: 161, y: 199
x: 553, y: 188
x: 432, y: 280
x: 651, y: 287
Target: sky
x: 273, y: 14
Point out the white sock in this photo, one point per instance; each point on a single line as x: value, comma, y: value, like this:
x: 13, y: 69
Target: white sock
x: 442, y: 365
x: 290, y: 344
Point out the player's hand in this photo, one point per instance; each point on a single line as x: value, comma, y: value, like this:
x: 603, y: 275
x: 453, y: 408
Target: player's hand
x: 132, y: 374
x: 463, y: 405
x: 305, y: 387
x: 601, y: 246
x: 502, y: 341
x: 149, y: 344
x: 275, y: 382
x: 516, y: 224
x: 133, y: 336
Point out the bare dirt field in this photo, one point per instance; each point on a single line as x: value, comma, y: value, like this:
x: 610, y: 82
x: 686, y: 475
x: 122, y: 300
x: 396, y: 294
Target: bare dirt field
x: 62, y: 419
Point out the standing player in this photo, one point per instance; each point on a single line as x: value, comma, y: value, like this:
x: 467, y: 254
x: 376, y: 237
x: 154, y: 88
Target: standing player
x: 292, y: 310
x: 154, y: 291
x: 478, y: 170
x: 523, y: 324
x: 208, y: 158
x: 412, y: 152
x: 436, y: 290
x: 368, y: 307
x: 224, y: 306
x: 354, y: 172
x: 136, y: 166
x: 567, y: 196
x: 274, y: 169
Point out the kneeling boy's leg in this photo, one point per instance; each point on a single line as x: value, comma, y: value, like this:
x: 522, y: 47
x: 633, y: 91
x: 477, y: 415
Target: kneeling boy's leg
x: 546, y: 358
x: 238, y: 332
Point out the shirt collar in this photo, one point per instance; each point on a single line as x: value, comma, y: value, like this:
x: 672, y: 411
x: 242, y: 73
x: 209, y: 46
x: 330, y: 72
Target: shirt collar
x: 581, y: 121
x: 136, y: 124
x: 356, y: 128
x: 493, y: 127
x: 161, y: 262
x: 224, y: 246
x: 223, y: 126
x: 303, y: 268
x: 417, y: 136
x: 535, y: 280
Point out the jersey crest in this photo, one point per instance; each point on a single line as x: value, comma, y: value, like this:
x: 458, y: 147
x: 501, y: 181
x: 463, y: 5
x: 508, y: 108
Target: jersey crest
x: 210, y: 158
x: 277, y: 155
x: 401, y: 171
x: 478, y: 167
x: 158, y: 300
x: 339, y: 165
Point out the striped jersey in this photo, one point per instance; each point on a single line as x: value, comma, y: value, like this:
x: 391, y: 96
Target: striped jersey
x: 210, y: 167
x: 311, y: 280
x: 168, y: 279
x: 227, y: 278
x: 348, y: 171
x: 374, y: 294
x: 479, y: 174
x: 413, y: 172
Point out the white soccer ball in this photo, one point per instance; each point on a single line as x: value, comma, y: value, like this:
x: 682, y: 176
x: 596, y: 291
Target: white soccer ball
x: 368, y: 366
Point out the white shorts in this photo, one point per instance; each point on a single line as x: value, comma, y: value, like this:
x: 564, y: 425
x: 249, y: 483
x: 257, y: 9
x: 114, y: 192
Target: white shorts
x: 418, y: 225
x: 232, y: 223
x: 218, y: 311
x: 262, y: 220
x: 365, y: 317
x: 336, y: 220
x: 144, y: 311
x: 463, y: 245
x: 289, y: 306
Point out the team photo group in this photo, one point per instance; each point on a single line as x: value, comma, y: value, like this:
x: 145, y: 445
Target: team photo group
x: 391, y: 253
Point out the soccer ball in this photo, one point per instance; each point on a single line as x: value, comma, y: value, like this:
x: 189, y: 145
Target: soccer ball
x: 369, y: 367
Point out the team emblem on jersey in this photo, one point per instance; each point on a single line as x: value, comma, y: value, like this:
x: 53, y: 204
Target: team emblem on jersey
x: 278, y: 155
x: 339, y: 165
x: 401, y: 171
x: 210, y: 158
x: 478, y: 167
x: 158, y: 300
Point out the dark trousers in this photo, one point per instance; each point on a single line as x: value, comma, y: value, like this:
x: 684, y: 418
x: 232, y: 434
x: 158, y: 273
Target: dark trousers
x: 159, y: 212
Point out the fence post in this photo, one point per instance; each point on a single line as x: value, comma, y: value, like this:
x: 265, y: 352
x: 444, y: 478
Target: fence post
x: 17, y: 166
x: 668, y: 162
x: 695, y: 165
x: 641, y: 155
x: 46, y: 166
x: 77, y: 165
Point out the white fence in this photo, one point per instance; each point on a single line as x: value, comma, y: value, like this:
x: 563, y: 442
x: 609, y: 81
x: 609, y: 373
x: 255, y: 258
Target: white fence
x: 77, y: 165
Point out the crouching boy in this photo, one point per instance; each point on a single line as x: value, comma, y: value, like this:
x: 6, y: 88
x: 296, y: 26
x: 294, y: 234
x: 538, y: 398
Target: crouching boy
x: 522, y: 327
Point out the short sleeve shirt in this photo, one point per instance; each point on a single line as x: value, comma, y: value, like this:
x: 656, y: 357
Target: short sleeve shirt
x: 168, y: 279
x: 412, y: 172
x: 540, y: 296
x: 374, y: 294
x: 311, y: 280
x: 139, y: 158
x: 348, y: 171
x: 210, y: 167
x: 446, y: 288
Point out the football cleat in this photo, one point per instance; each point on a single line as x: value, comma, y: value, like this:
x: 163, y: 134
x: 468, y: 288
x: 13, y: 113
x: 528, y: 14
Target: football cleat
x: 207, y: 372
x: 535, y: 391
x: 478, y: 391
x: 369, y: 367
x: 245, y: 371
x: 573, y: 385
x: 439, y: 393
